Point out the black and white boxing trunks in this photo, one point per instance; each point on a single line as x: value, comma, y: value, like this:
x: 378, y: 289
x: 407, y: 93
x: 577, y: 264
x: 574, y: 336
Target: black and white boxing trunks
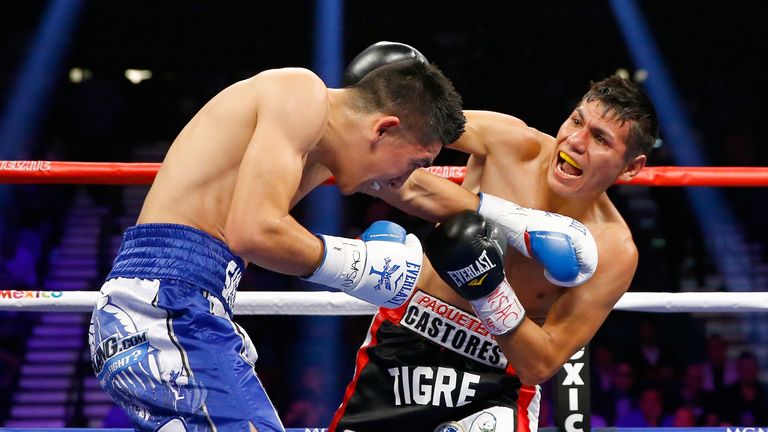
x: 430, y: 366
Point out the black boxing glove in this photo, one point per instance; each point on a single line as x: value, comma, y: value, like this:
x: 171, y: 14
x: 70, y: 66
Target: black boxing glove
x: 377, y: 55
x: 467, y: 252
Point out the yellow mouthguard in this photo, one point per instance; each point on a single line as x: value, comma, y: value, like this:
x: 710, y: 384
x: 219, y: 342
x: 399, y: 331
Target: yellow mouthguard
x: 569, y: 160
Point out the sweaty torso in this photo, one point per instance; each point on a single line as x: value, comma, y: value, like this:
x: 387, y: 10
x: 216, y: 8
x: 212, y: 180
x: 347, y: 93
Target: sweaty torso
x: 196, y: 181
x: 520, y: 177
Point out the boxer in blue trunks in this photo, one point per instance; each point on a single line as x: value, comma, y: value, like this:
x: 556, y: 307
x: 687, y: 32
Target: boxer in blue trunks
x: 162, y: 338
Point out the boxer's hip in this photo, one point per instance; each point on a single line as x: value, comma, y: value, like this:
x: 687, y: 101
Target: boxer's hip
x: 163, y: 343
x: 426, y: 363
x: 179, y: 253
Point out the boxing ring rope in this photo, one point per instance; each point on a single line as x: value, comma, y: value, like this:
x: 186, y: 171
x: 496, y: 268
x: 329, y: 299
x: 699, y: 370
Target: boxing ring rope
x: 122, y: 173
x: 337, y: 303
x: 334, y: 303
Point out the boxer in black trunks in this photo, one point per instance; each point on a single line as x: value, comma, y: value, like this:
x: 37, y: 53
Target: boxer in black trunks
x: 548, y: 317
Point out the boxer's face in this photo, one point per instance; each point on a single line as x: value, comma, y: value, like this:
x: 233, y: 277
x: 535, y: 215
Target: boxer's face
x: 397, y: 159
x: 387, y: 162
x: 590, y: 152
x: 387, y: 159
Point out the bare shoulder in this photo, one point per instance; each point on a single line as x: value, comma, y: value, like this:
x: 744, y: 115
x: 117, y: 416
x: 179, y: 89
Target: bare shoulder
x: 489, y: 132
x: 294, y: 97
x: 491, y: 119
x: 291, y: 84
x: 291, y: 76
x: 616, y: 248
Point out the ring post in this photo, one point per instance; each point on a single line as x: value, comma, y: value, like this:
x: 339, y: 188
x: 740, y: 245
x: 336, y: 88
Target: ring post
x: 572, y: 394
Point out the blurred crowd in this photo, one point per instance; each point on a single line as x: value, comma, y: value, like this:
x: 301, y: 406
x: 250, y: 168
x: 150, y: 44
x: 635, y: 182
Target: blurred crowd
x: 647, y: 370
x: 645, y: 383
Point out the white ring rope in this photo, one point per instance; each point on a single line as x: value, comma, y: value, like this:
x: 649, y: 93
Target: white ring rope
x: 337, y: 303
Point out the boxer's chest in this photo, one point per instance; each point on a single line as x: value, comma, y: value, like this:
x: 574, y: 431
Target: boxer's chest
x: 523, y: 183
x: 526, y: 276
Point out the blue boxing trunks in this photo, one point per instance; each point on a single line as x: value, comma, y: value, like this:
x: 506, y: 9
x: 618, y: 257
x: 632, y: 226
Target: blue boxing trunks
x: 163, y: 343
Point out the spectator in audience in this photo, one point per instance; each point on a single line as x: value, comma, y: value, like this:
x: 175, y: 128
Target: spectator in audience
x: 601, y: 376
x: 717, y: 369
x: 20, y: 260
x: 648, y: 413
x: 623, y: 393
x: 310, y: 408
x: 653, y: 362
x: 682, y: 417
x: 691, y: 393
x: 745, y: 402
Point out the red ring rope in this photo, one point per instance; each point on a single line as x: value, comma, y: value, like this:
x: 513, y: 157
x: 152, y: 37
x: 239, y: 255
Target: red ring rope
x: 120, y: 173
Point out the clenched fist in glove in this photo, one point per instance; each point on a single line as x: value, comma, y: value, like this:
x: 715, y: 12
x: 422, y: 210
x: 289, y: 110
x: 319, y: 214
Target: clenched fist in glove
x: 563, y: 245
x: 467, y: 252
x: 381, y: 267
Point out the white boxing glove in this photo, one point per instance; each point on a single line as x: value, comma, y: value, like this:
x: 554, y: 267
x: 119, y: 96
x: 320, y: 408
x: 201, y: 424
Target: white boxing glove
x: 563, y: 245
x: 381, y: 268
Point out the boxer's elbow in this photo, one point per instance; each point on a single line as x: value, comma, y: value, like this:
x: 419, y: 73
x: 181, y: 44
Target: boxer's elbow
x: 537, y: 368
x: 243, y: 246
x: 535, y: 374
x: 252, y: 242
